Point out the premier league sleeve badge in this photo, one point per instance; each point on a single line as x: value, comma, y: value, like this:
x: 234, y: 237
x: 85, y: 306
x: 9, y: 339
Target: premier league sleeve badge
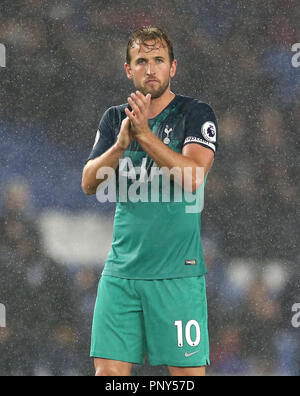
x: 209, y: 132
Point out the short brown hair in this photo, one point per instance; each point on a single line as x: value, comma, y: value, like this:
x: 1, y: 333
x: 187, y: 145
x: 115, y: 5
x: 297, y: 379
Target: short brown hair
x: 149, y: 33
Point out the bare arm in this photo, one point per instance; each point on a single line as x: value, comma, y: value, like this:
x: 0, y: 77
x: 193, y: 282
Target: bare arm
x: 110, y: 159
x: 193, y: 155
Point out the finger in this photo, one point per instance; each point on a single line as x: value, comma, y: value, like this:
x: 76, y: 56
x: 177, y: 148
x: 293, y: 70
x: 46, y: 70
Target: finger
x: 138, y: 101
x: 125, y: 124
x: 141, y: 97
x: 130, y: 115
x: 134, y: 106
x: 125, y: 120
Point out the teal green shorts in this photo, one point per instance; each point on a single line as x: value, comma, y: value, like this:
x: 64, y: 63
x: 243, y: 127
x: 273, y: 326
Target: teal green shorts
x: 166, y: 319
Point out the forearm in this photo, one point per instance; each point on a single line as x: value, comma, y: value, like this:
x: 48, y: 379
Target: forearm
x: 185, y: 168
x: 109, y: 159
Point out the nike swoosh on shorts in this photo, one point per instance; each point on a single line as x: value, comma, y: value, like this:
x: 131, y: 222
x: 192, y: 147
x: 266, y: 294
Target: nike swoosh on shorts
x: 190, y: 354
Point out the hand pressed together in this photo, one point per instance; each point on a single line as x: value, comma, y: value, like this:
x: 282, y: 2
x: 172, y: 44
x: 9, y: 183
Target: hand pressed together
x: 125, y: 136
x: 139, y: 115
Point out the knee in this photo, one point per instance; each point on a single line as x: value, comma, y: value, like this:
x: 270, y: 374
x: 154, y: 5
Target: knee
x: 187, y: 371
x: 107, y: 372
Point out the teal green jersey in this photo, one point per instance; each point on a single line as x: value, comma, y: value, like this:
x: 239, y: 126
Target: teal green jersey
x: 157, y: 223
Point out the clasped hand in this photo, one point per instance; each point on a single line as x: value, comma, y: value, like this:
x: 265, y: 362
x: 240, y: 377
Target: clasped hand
x: 139, y: 115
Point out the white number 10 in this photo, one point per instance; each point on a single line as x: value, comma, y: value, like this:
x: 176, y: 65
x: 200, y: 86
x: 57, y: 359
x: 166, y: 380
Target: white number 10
x: 188, y: 337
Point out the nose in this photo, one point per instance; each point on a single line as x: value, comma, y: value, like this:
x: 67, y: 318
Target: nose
x: 150, y: 69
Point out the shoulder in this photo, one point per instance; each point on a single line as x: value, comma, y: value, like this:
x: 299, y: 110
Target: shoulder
x: 112, y: 118
x: 116, y: 113
x: 194, y: 105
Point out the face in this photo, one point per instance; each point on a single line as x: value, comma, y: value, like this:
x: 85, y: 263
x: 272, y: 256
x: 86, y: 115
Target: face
x: 150, y: 68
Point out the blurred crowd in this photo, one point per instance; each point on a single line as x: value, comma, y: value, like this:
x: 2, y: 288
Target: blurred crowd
x: 50, y: 306
x: 64, y: 69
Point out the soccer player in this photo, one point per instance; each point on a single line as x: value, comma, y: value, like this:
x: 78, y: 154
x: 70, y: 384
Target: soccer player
x: 152, y: 294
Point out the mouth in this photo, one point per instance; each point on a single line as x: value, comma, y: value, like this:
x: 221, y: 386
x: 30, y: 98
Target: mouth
x: 151, y: 81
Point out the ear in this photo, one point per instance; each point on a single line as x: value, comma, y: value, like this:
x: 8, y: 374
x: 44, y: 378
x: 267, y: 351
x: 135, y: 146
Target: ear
x: 128, y: 71
x: 173, y: 68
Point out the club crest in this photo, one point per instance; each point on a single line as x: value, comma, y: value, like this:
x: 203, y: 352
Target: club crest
x: 167, y: 131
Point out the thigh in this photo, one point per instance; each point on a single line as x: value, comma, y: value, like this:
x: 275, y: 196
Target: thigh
x: 118, y: 331
x: 175, y: 313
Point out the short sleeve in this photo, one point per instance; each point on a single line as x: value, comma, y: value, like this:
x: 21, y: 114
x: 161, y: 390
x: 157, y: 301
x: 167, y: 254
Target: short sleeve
x: 104, y: 136
x: 202, y: 126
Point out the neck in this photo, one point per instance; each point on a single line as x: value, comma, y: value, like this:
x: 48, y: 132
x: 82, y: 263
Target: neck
x: 157, y: 105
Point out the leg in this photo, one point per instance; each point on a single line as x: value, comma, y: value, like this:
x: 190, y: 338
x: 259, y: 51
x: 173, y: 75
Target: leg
x: 112, y: 368
x: 187, y: 371
x: 118, y: 338
x: 175, y: 313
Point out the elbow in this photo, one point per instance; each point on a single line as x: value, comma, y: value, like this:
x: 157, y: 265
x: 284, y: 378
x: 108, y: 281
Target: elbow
x: 193, y: 185
x: 191, y: 188
x: 198, y: 180
x: 86, y: 184
x: 193, y: 179
x: 197, y: 185
x: 194, y: 188
x: 87, y: 189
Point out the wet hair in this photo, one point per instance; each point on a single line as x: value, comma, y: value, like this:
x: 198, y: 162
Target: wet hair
x: 149, y: 33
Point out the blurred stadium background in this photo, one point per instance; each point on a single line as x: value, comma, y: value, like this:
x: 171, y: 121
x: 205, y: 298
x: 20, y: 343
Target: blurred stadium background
x: 64, y: 69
